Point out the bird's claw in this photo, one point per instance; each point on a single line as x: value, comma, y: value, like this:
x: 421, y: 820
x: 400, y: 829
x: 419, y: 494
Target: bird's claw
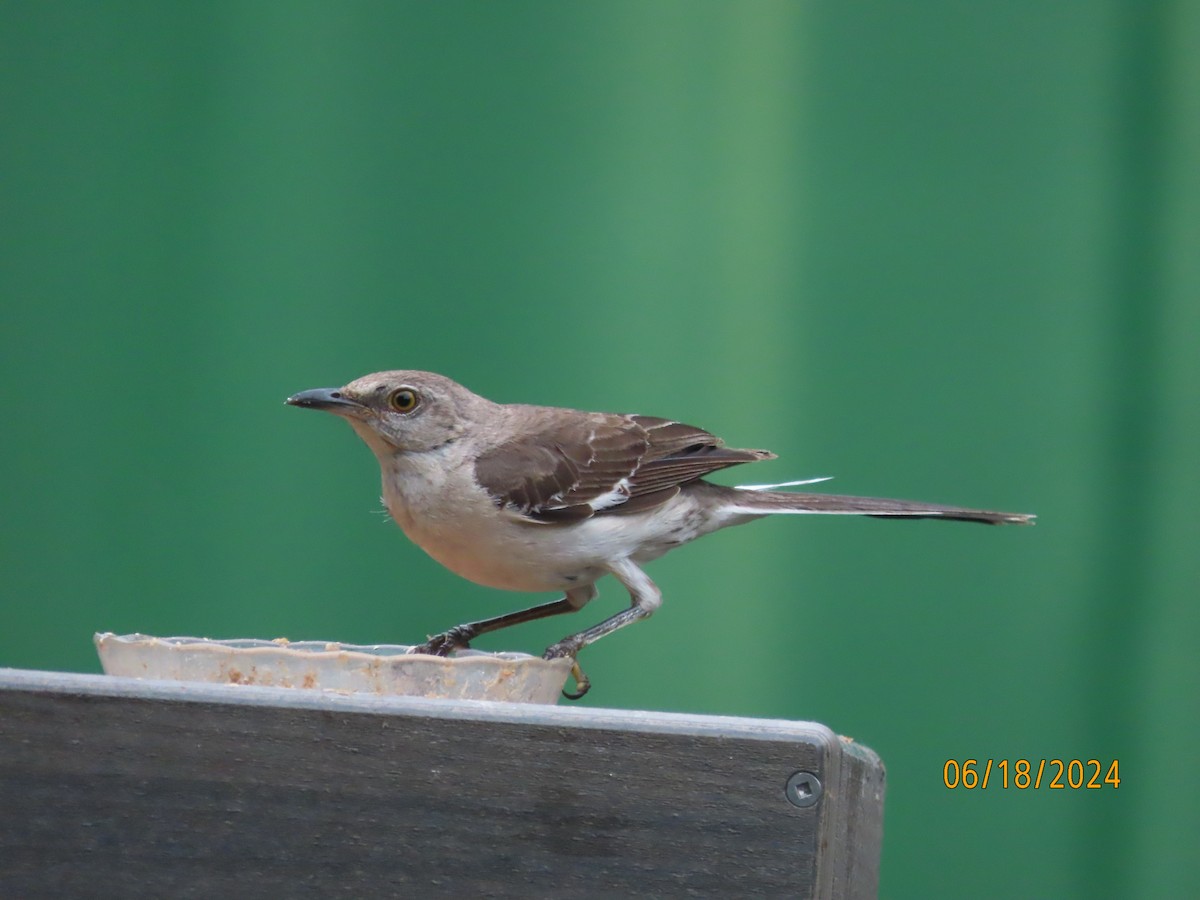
x: 583, y: 684
x: 569, y: 648
x: 445, y: 643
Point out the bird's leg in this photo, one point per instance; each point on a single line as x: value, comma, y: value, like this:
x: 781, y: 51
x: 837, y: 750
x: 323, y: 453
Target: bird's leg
x: 645, y: 598
x: 460, y: 636
x: 572, y: 644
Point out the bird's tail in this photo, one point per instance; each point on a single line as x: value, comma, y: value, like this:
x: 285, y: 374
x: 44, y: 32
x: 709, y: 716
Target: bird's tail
x: 758, y: 500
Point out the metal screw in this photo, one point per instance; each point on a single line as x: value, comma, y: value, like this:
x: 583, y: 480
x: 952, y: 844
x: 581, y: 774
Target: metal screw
x: 803, y: 789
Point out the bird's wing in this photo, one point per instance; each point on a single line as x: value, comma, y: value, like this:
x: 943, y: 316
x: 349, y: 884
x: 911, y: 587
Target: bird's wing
x: 575, y: 466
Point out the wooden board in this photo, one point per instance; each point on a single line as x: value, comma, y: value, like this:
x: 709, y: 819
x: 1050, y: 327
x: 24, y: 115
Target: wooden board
x: 122, y: 787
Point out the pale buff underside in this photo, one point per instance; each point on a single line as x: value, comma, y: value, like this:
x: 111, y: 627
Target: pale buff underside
x: 466, y: 532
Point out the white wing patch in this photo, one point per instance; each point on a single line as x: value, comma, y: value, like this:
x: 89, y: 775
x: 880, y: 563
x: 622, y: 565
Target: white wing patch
x: 618, y: 495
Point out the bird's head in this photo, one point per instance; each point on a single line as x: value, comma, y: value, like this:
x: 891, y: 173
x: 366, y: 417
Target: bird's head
x: 399, y: 411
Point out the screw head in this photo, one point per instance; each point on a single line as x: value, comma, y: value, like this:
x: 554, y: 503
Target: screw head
x: 803, y: 789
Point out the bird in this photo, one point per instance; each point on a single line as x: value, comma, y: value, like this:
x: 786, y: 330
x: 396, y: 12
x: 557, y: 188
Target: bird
x: 540, y: 498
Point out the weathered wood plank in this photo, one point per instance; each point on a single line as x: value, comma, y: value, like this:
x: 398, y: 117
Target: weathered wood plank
x: 121, y: 787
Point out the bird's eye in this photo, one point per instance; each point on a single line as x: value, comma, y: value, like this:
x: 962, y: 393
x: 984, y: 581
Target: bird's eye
x: 404, y: 400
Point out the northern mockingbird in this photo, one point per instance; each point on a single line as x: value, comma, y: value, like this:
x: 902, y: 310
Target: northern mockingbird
x: 536, y: 498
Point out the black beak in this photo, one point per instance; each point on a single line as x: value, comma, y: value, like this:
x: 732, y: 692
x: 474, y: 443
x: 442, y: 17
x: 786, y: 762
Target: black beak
x: 329, y: 399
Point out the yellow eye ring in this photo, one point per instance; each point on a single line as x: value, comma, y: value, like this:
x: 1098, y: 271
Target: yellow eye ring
x: 403, y: 400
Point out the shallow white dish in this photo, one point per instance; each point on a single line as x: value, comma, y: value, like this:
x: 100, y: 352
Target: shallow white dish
x: 380, y: 669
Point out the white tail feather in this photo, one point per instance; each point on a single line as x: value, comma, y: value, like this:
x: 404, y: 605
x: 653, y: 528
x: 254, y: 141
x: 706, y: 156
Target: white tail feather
x: 792, y: 511
x: 771, y: 487
x: 766, y: 502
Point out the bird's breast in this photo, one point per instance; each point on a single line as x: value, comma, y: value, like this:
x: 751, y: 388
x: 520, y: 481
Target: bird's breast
x: 459, y: 525
x: 449, y: 516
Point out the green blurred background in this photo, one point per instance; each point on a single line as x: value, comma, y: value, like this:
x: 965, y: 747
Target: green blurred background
x: 945, y: 251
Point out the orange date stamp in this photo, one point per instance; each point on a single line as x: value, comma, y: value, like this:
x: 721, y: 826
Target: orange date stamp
x: 1026, y: 774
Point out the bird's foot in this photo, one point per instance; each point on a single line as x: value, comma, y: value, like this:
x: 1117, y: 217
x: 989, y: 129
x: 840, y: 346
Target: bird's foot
x: 568, y: 647
x: 457, y: 638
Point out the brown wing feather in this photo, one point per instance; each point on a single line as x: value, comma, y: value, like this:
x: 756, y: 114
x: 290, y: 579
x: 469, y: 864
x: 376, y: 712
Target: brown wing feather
x: 681, y: 453
x: 526, y: 475
x: 595, y: 464
x: 557, y: 472
x: 667, y: 438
